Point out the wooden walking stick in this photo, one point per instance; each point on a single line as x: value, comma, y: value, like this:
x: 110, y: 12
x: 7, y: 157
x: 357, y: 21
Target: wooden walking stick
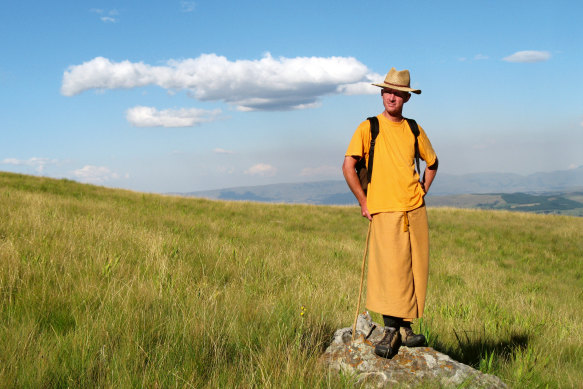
x: 361, y: 281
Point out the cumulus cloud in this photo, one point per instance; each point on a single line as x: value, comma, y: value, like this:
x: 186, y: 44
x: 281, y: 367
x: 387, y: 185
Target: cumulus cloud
x: 106, y: 16
x: 261, y: 169
x: 528, y: 56
x: 362, y: 87
x: 185, y: 117
x: 265, y: 84
x: 320, y: 171
x: 222, y: 151
x: 225, y: 169
x: 485, y: 145
x: 38, y: 164
x: 187, y: 6
x: 94, y: 174
x: 477, y: 57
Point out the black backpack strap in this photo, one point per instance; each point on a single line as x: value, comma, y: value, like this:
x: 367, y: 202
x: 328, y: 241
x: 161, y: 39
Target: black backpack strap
x: 374, y: 131
x: 415, y: 130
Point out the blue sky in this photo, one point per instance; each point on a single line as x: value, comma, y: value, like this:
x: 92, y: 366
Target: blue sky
x: 178, y: 96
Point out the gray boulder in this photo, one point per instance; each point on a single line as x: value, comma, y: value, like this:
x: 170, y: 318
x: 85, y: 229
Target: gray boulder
x: 411, y: 367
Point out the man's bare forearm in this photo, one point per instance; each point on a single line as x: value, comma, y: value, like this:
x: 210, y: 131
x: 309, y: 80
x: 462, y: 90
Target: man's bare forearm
x: 429, y: 175
x: 354, y: 184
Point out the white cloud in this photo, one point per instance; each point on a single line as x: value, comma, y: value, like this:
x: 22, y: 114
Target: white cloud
x: 222, y: 151
x: 484, y: 145
x: 261, y: 169
x: 38, y: 164
x: 187, y: 6
x: 477, y: 57
x: 362, y: 87
x: 94, y: 174
x: 185, y: 117
x: 225, y: 169
x: 528, y: 56
x: 106, y: 16
x: 320, y: 171
x: 265, y: 84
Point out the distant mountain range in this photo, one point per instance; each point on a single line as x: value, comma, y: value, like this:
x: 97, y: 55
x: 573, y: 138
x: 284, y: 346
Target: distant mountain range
x: 557, y: 181
x: 445, y: 186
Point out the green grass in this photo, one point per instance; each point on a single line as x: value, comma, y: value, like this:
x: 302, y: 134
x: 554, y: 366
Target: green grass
x: 113, y: 288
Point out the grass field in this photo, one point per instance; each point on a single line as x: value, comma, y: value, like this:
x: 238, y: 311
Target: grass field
x: 112, y: 288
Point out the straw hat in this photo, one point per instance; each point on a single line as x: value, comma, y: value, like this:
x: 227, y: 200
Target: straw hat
x: 398, y: 80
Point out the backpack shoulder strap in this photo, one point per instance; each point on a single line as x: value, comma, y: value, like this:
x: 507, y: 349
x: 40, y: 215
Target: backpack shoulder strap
x: 414, y: 127
x: 374, y: 132
x: 415, y: 130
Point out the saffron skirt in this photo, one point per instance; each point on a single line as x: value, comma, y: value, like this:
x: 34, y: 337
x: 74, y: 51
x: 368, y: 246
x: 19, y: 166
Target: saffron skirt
x: 398, y: 263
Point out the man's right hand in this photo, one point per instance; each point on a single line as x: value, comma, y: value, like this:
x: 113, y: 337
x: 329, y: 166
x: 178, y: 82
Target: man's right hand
x: 364, y: 211
x: 354, y: 184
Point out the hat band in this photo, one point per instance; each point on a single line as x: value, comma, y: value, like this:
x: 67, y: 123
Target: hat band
x: 400, y: 86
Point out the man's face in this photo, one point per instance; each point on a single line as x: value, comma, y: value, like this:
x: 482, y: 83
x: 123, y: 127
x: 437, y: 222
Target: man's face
x: 393, y: 100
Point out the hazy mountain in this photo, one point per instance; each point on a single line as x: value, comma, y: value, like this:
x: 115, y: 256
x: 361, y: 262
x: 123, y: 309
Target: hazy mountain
x: 320, y: 192
x: 337, y: 192
x: 557, y: 181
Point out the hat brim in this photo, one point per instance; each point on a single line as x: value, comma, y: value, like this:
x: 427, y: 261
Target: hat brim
x: 401, y: 88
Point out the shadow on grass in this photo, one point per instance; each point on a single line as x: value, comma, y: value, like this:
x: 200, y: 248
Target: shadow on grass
x: 473, y: 348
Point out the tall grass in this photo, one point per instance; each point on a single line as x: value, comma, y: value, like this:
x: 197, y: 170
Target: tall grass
x: 113, y: 288
x: 506, y: 294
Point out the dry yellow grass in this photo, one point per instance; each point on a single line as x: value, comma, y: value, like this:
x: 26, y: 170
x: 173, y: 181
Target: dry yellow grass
x: 113, y: 288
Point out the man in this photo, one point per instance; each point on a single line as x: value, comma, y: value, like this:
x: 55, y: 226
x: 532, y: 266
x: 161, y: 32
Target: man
x: 394, y: 204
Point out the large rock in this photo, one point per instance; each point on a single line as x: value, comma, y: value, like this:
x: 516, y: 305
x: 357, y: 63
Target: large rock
x: 409, y: 368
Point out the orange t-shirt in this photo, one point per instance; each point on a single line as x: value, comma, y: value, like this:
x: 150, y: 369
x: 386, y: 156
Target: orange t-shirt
x: 394, y: 183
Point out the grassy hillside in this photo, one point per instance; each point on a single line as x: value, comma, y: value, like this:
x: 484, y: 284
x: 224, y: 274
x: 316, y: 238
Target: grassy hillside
x: 113, y: 288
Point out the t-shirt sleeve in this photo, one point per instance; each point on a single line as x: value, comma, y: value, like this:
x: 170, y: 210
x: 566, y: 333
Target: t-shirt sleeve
x: 361, y: 137
x: 425, y: 148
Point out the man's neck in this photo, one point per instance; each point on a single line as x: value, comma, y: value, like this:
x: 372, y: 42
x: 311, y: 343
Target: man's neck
x: 393, y: 118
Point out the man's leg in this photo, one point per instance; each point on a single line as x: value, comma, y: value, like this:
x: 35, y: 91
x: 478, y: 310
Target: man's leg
x: 403, y: 327
x: 419, y: 235
x: 389, y: 344
x: 392, y: 321
x: 408, y: 337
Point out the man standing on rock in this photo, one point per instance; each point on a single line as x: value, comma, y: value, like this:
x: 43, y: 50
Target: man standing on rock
x: 394, y: 203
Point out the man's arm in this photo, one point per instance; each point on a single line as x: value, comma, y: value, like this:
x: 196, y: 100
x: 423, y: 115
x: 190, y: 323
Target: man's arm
x: 429, y: 175
x: 354, y: 184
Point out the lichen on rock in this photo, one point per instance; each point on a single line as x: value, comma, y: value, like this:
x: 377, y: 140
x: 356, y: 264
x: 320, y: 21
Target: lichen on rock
x: 410, y: 367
